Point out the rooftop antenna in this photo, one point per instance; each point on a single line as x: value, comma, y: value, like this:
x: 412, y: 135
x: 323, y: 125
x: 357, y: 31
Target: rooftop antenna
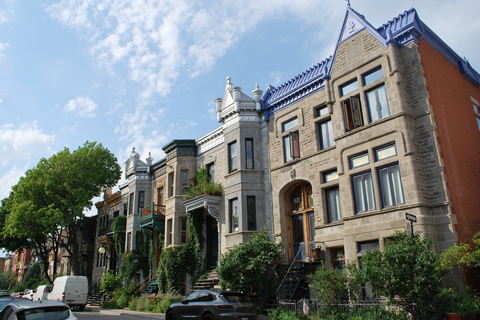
x: 348, y: 3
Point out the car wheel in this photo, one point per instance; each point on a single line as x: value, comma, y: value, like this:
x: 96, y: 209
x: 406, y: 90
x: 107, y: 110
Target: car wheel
x: 82, y: 307
x: 208, y: 316
x: 170, y: 316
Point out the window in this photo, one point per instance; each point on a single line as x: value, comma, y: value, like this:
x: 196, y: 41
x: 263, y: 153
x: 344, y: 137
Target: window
x: 375, y: 98
x: 385, y: 152
x: 372, y: 76
x: 251, y: 213
x: 352, y: 110
x: 184, y: 181
x: 363, y: 192
x: 183, y: 230
x: 130, y: 203
x: 291, y: 142
x: 364, y: 246
x: 234, y: 218
x: 377, y: 103
x: 232, y: 157
x: 359, y: 160
x: 332, y: 196
x: 168, y: 234
x: 160, y: 199
x: 141, y: 201
x: 211, y: 171
x: 321, y: 111
x: 329, y: 176
x: 249, y: 153
x: 129, y: 241
x: 349, y: 87
x: 337, y: 256
x: 170, y: 185
x: 476, y: 110
x: 325, y: 133
x: 391, y: 185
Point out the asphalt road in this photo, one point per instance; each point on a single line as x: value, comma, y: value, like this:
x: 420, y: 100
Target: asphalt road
x: 92, y: 313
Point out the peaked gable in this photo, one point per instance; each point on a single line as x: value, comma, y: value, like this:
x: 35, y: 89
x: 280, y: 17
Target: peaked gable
x: 353, y: 24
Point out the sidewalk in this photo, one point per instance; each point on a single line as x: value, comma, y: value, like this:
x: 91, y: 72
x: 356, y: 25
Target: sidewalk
x: 119, y: 312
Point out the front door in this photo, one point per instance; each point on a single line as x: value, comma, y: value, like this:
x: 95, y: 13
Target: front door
x: 302, y: 219
x: 212, y: 241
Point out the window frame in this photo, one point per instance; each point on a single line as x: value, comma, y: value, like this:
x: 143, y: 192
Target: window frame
x: 234, y: 215
x: 325, y: 137
x: 367, y: 198
x: 249, y: 161
x: 476, y: 111
x: 376, y: 91
x: 251, y: 213
x: 290, y: 139
x: 141, y: 201
x: 357, y: 102
x: 391, y: 189
x: 184, y: 173
x: 232, y: 156
x: 336, y: 214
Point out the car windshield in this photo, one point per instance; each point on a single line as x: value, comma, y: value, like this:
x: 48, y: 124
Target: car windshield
x: 48, y: 313
x: 235, y: 297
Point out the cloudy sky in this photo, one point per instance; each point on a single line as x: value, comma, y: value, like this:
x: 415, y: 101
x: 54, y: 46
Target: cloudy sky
x: 140, y: 73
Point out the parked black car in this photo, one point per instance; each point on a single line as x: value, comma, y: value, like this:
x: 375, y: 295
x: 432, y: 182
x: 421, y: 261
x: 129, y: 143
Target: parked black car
x: 213, y: 305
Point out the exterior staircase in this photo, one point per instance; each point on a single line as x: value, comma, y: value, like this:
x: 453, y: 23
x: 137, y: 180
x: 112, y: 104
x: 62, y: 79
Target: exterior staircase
x: 291, y: 277
x: 208, y: 283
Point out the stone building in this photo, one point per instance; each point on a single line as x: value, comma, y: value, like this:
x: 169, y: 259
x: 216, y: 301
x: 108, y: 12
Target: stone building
x: 332, y: 161
x: 382, y: 128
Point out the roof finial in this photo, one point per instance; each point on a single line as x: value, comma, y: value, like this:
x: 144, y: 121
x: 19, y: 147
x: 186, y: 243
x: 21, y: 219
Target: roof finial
x: 348, y: 3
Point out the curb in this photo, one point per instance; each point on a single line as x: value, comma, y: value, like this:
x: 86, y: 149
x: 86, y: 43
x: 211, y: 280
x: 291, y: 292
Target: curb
x: 119, y: 312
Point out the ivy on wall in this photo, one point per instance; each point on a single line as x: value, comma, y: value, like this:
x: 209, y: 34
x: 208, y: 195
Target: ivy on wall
x: 119, y: 226
x: 176, y: 262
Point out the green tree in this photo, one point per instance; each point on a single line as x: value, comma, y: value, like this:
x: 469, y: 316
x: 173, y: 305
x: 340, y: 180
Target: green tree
x: 247, y: 266
x: 406, y: 271
x: 47, y: 203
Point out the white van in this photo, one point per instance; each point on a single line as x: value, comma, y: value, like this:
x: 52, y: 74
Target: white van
x: 41, y: 292
x: 72, y: 290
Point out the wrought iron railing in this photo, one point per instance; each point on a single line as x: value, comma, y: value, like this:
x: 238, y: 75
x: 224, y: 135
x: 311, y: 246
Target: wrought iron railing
x: 152, y: 210
x: 304, y: 251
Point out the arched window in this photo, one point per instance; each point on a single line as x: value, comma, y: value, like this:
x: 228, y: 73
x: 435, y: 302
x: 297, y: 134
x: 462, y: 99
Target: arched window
x: 299, y: 206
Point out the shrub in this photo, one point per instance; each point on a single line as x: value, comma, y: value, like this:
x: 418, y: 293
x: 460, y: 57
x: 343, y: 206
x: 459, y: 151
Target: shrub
x: 278, y: 314
x: 110, y: 304
x: 122, y: 301
x: 247, y: 266
x: 132, y: 305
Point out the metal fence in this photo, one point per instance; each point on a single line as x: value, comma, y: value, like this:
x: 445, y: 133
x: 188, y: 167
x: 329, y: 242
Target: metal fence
x: 364, y: 310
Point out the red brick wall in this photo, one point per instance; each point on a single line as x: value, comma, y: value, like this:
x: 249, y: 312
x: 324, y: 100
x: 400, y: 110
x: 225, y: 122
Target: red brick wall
x: 458, y: 135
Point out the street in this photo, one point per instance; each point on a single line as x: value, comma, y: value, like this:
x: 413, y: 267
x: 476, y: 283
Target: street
x: 92, y: 313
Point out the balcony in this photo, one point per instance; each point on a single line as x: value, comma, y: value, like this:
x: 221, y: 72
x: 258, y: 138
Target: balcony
x: 152, y: 218
x: 313, y: 251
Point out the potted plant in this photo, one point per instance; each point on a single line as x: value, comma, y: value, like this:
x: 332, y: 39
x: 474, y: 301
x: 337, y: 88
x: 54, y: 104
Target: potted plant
x: 201, y: 185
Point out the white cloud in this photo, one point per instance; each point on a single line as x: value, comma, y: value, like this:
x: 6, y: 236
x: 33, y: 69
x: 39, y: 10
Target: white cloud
x: 22, y: 142
x: 6, y: 12
x: 81, y: 106
x: 10, y: 179
x: 158, y: 39
x: 3, y: 46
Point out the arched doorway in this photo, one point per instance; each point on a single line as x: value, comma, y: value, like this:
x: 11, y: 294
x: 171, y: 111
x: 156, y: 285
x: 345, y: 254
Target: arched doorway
x: 300, y: 212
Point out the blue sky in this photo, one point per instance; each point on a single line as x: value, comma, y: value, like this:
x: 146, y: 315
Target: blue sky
x: 140, y: 73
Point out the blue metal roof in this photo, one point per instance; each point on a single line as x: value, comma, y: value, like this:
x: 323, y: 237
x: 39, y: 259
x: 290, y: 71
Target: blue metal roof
x: 400, y: 31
